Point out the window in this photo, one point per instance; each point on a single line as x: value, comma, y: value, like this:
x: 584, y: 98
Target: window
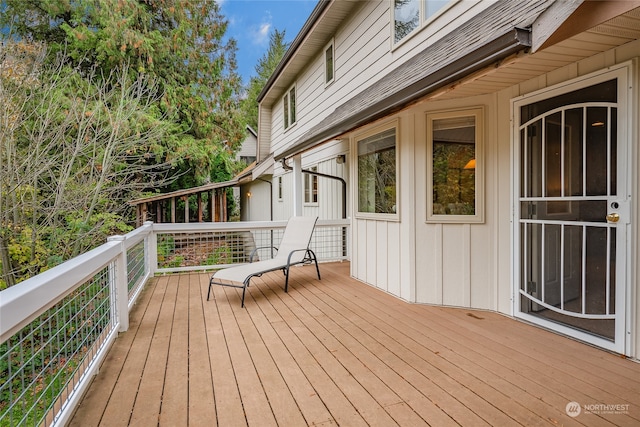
x: 311, y: 186
x: 407, y: 15
x: 377, y: 173
x: 289, y: 104
x: 328, y: 64
x: 280, y: 190
x: 454, y: 152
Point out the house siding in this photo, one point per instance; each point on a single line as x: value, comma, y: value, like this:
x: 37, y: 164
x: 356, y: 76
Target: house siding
x: 329, y: 204
x: 467, y: 265
x: 363, y: 55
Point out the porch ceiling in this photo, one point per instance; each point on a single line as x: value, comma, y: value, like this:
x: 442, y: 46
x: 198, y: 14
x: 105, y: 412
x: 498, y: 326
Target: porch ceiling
x: 608, y: 35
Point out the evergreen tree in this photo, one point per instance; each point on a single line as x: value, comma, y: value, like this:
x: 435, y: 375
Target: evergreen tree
x: 264, y: 69
x: 179, y: 43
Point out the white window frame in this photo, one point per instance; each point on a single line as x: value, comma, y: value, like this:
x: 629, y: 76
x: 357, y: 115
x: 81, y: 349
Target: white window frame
x: 478, y: 216
x: 395, y: 124
x: 331, y: 45
x: 311, y: 183
x: 422, y: 20
x: 289, y: 115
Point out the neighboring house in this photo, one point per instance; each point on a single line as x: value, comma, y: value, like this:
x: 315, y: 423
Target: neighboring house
x: 490, y: 149
x: 247, y: 152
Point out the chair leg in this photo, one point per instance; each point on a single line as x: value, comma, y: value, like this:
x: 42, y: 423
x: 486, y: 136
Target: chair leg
x: 313, y: 255
x: 286, y: 279
x: 244, y: 290
x: 209, y: 291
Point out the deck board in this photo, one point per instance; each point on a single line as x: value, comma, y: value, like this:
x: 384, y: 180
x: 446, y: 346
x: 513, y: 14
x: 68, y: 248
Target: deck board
x: 339, y: 352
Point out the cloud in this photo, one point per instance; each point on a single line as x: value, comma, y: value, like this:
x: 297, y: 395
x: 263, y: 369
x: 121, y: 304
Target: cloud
x: 260, y: 33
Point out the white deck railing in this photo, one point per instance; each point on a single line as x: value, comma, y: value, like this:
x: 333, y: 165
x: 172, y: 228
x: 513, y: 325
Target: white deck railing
x: 56, y: 328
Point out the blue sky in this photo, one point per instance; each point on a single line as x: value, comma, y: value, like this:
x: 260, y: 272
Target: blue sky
x: 251, y: 22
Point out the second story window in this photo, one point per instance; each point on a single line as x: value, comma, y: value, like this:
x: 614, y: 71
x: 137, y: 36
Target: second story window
x: 328, y: 63
x: 289, y: 102
x: 408, y: 15
x: 406, y: 18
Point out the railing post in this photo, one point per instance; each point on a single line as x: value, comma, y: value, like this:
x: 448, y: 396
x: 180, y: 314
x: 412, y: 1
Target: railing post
x: 151, y: 250
x: 121, y: 284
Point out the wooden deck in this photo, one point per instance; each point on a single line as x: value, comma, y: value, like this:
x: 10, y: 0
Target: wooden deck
x: 339, y: 352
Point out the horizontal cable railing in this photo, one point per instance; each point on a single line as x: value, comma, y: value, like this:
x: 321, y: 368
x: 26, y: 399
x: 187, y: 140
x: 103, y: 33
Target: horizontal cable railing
x: 56, y: 328
x: 184, y: 247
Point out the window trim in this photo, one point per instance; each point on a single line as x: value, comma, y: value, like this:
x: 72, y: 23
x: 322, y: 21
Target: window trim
x: 309, y: 181
x: 287, y: 115
x: 479, y: 115
x: 422, y: 21
x: 393, y: 124
x: 331, y: 45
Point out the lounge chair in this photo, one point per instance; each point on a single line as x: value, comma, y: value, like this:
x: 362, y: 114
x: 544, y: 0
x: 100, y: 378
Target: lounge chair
x: 294, y: 249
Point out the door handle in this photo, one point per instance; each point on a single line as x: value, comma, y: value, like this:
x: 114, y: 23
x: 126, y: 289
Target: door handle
x: 613, y: 217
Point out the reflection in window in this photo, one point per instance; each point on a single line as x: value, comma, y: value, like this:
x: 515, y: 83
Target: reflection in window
x: 454, y: 166
x: 433, y: 6
x: 406, y: 15
x: 377, y: 173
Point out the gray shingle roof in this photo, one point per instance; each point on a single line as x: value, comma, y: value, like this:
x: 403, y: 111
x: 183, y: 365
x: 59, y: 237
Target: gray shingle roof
x: 494, y: 34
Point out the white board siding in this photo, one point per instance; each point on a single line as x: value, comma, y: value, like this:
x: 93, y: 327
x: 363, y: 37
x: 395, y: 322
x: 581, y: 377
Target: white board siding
x: 377, y: 252
x: 255, y: 207
x: 329, y: 204
x: 363, y: 55
x: 264, y: 133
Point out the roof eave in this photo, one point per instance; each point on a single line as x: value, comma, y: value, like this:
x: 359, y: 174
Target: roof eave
x: 295, y: 44
x: 489, y: 54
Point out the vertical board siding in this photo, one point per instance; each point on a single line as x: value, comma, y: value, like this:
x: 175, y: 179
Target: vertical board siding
x: 392, y: 256
x: 455, y: 265
x: 329, y: 204
x: 380, y: 251
x: 377, y: 251
x: 372, y: 261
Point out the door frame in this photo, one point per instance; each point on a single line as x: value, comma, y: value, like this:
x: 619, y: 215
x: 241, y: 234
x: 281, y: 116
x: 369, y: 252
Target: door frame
x: 624, y: 296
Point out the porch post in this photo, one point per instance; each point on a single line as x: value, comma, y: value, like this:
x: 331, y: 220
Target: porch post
x: 298, y: 189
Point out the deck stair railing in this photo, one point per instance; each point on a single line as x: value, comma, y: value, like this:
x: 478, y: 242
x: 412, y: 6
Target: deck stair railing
x: 56, y: 328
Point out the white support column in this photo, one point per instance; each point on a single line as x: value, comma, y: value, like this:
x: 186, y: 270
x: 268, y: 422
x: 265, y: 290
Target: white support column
x: 298, y: 189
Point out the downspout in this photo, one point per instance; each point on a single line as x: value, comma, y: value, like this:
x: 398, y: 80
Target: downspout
x: 286, y: 167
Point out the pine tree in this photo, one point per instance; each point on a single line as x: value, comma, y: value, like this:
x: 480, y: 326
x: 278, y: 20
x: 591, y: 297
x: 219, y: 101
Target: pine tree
x: 179, y: 43
x: 264, y: 69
